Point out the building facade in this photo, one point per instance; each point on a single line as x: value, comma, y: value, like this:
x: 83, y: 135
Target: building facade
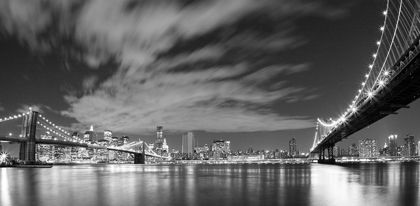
x: 108, y: 135
x: 159, y: 137
x: 409, y: 146
x: 188, y: 143
x: 393, y: 148
x: 353, y: 150
x: 367, y: 148
x: 90, y: 136
x: 293, y: 148
x: 220, y: 149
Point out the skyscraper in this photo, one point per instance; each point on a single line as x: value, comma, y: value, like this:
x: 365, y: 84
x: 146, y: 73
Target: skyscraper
x: 125, y: 139
x: 220, y: 149
x: 188, y: 143
x: 336, y: 151
x: 90, y: 135
x: 159, y: 137
x: 393, y: 145
x: 292, y: 147
x: 165, y: 146
x: 108, y: 135
x: 353, y: 150
x: 418, y: 148
x: 367, y: 148
x: 409, y: 145
x: 75, y: 136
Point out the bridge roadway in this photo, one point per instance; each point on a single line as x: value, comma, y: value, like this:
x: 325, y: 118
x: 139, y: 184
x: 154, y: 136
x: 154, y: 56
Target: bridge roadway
x: 400, y: 91
x: 67, y: 143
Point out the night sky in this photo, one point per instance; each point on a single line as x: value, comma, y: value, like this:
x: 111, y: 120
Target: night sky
x: 257, y: 73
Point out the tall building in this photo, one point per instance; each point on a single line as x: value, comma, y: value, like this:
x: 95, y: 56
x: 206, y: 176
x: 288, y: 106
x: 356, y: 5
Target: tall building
x: 220, y: 149
x: 159, y: 137
x: 393, y: 151
x: 367, y: 148
x: 336, y: 151
x: 418, y: 148
x: 343, y: 152
x: 188, y: 143
x: 75, y: 136
x: 292, y: 147
x: 384, y: 151
x: 108, y: 135
x: 409, y: 145
x: 90, y: 135
x: 125, y: 139
x: 165, y: 147
x: 353, y: 151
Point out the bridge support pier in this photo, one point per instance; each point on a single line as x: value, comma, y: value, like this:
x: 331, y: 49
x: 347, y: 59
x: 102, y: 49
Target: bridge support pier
x: 139, y: 159
x: 330, y: 154
x: 27, y: 151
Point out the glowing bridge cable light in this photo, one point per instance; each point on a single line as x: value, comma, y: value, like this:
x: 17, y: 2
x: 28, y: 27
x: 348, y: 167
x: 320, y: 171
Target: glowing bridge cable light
x: 393, y: 36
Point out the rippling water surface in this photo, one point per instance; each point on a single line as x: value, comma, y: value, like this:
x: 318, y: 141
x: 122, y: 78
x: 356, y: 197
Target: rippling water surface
x: 276, y: 184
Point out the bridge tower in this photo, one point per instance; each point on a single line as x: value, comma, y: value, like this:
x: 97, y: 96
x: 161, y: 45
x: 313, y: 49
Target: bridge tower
x: 140, y: 158
x: 28, y: 149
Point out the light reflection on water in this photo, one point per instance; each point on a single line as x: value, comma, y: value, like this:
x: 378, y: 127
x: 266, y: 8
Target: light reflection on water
x: 306, y: 184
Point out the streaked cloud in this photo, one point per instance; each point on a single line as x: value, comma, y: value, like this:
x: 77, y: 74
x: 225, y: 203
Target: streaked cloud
x: 164, y: 77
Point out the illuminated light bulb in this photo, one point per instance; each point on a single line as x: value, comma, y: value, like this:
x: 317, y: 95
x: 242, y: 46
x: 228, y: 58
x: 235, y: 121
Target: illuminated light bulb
x: 354, y: 109
x: 386, y: 73
x: 371, y: 66
x: 385, y: 12
x: 374, y: 55
x: 30, y: 108
x: 363, y: 83
x: 382, y: 28
x: 378, y: 43
x: 381, y: 82
x: 366, y: 75
x: 370, y: 94
x: 360, y: 90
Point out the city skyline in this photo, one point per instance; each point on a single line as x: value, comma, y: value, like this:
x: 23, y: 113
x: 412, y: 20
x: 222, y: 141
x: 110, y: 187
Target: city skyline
x: 278, y: 98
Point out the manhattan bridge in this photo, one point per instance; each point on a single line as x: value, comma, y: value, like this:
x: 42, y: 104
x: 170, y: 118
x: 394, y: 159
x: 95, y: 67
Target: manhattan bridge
x: 391, y: 82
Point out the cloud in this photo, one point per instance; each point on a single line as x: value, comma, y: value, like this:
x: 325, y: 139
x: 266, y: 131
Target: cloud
x: 89, y: 83
x: 147, y: 39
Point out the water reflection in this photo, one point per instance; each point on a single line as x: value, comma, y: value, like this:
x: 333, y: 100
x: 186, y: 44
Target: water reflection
x: 306, y: 184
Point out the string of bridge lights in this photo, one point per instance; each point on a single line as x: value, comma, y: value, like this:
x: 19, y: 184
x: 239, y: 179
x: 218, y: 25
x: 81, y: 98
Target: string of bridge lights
x: 53, y: 125
x: 383, y: 73
x: 51, y: 130
x: 13, y: 117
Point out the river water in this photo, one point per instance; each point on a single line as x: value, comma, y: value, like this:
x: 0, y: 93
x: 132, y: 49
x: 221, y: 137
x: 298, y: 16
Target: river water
x: 247, y: 184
